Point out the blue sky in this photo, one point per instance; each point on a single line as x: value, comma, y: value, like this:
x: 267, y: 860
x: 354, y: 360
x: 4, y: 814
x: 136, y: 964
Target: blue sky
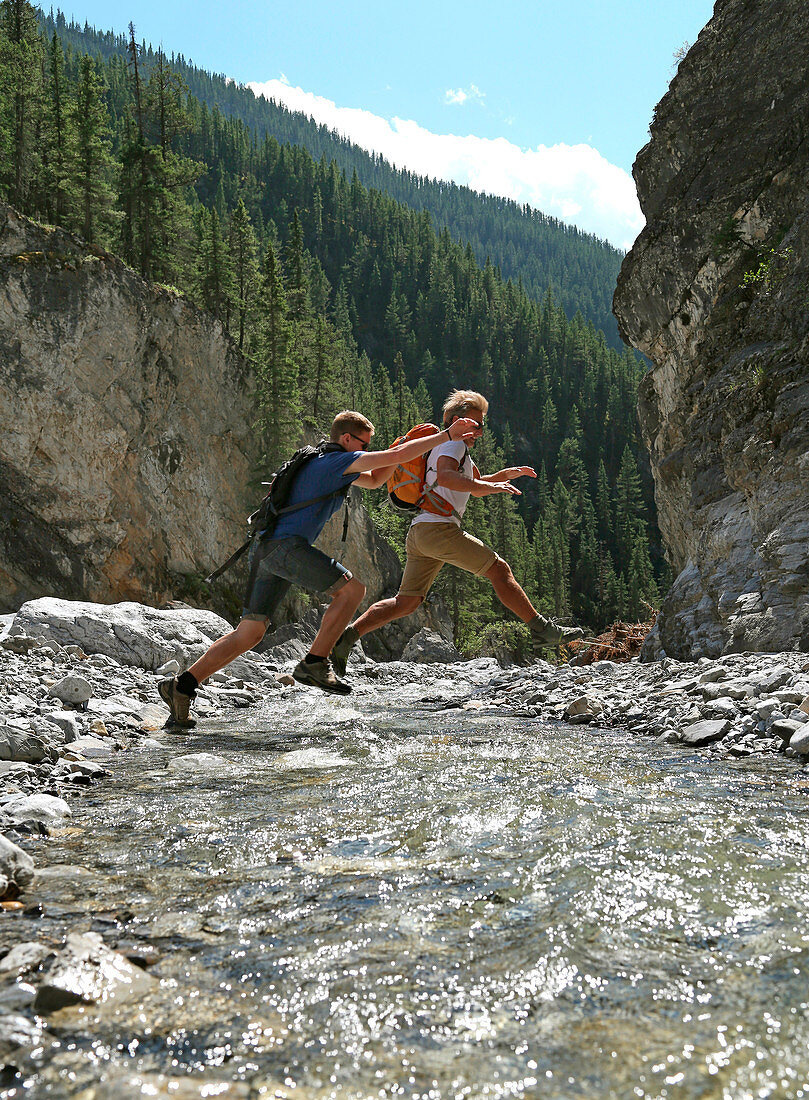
x: 547, y: 103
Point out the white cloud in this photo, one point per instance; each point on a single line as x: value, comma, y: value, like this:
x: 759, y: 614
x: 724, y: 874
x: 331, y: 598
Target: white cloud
x: 456, y: 97
x: 574, y: 183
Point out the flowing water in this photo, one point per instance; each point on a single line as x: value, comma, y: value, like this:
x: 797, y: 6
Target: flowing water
x: 406, y: 902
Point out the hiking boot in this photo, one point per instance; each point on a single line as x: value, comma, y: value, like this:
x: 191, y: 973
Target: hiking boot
x: 178, y: 703
x: 340, y: 654
x: 547, y: 634
x: 320, y: 674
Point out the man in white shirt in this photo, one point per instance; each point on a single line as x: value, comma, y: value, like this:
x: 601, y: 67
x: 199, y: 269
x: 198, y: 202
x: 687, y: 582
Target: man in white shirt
x: 436, y: 539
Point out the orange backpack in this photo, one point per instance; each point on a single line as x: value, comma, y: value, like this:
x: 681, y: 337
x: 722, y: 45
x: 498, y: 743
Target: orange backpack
x: 406, y: 491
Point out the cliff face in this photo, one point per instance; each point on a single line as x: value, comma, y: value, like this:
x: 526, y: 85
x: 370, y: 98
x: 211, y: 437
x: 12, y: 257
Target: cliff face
x: 128, y: 456
x: 716, y: 293
x: 126, y: 447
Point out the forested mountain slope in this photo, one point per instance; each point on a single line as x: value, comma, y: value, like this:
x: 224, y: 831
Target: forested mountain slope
x: 339, y: 296
x: 525, y: 244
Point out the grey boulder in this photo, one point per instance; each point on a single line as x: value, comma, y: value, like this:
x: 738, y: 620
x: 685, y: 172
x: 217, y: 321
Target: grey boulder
x: 130, y: 633
x: 74, y: 690
x: 702, y: 733
x: 24, y: 747
x: 16, y: 867
x: 430, y: 648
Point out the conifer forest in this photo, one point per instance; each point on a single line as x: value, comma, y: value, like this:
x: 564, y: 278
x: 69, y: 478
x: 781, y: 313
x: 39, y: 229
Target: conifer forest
x: 346, y: 283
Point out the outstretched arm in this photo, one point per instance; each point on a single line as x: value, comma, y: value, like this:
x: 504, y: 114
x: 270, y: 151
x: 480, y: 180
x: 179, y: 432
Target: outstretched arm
x: 460, y: 430
x: 510, y: 473
x: 450, y: 477
x: 375, y: 478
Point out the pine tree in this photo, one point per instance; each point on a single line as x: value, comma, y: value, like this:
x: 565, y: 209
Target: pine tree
x: 21, y: 67
x: 89, y: 163
x: 243, y: 251
x: 214, y: 274
x: 56, y: 134
x: 279, y: 393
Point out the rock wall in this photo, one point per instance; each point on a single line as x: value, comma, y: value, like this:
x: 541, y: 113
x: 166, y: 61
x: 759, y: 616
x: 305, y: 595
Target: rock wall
x: 127, y: 446
x: 128, y: 455
x: 716, y: 293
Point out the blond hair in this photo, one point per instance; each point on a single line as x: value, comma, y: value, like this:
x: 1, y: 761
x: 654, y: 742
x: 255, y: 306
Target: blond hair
x: 461, y: 402
x: 349, y: 421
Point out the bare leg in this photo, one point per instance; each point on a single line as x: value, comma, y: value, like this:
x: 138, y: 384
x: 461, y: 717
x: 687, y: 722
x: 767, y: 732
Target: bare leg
x: 337, y: 616
x: 248, y: 633
x: 385, y: 611
x: 508, y: 592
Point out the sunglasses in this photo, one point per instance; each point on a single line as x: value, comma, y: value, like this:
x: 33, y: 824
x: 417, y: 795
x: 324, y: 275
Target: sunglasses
x: 364, y: 444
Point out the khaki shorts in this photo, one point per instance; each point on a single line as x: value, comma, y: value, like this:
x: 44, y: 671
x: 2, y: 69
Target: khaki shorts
x: 431, y: 545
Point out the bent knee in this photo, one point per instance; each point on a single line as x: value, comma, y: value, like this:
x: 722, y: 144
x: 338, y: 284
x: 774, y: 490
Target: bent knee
x: 253, y: 630
x: 354, y: 588
x: 408, y: 604
x: 500, y: 572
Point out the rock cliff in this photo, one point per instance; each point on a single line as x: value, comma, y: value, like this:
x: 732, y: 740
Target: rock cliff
x: 127, y: 445
x: 128, y: 455
x: 716, y: 293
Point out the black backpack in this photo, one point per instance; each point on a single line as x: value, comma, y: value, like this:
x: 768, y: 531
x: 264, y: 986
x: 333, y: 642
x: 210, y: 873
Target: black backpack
x: 274, y: 505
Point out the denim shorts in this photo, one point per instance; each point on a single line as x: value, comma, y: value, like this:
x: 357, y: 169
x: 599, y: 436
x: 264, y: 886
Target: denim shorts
x: 277, y: 564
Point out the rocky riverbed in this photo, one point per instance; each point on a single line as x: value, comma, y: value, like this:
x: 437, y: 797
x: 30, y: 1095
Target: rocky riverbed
x: 78, y: 687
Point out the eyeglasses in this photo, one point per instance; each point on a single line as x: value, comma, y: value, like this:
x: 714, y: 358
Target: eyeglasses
x: 364, y: 443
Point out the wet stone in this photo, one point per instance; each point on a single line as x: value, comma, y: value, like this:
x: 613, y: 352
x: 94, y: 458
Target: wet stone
x: 86, y: 971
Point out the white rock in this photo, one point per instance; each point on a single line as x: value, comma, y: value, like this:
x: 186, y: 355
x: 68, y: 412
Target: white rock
x: 16, y: 866
x: 129, y: 633
x: 584, y: 706
x: 767, y: 708
x: 24, y: 958
x: 66, y: 722
x: 711, y: 675
x: 799, y: 741
x: 702, y: 733
x: 170, y: 668
x: 429, y: 647
x: 45, y: 808
x: 86, y: 971
x: 72, y: 689
x: 93, y: 748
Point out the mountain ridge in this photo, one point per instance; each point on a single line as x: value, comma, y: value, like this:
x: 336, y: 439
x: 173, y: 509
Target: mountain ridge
x: 536, y: 250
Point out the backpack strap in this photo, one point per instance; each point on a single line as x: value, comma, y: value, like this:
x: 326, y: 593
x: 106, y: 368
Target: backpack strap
x: 234, y: 557
x: 325, y: 448
x: 439, y: 502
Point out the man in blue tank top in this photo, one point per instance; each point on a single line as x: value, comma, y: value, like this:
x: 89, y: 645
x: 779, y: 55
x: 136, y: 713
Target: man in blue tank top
x: 288, y: 557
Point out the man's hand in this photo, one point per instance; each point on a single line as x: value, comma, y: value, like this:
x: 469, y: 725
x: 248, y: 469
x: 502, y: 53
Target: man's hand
x: 502, y: 487
x: 516, y: 471
x: 462, y: 429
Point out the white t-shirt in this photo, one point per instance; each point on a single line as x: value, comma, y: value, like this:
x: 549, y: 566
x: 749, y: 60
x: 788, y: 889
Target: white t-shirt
x: 458, y: 501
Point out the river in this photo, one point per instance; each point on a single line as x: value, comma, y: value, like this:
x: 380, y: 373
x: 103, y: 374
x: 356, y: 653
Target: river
x: 412, y: 902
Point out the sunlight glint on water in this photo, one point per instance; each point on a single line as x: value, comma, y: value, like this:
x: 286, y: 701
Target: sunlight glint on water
x: 435, y: 905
